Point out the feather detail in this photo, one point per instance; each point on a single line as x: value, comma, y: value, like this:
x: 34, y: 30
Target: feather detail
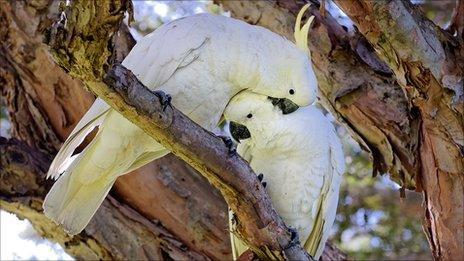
x: 73, y: 201
x: 74, y: 210
x: 313, y: 242
x: 77, y: 194
x: 146, y: 158
x: 327, y: 208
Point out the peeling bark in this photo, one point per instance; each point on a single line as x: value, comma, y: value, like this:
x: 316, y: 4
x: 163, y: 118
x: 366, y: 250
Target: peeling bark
x: 429, y: 66
x: 44, y: 102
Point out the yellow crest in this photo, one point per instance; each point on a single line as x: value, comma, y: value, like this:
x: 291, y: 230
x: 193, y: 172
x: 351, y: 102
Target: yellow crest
x: 301, y: 33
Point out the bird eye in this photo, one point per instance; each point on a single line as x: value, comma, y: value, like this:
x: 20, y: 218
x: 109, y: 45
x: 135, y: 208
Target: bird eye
x: 291, y: 91
x: 249, y: 115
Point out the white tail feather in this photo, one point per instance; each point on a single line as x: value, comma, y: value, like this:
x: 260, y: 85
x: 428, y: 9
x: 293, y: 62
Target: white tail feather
x: 74, y: 199
x: 72, y: 204
x: 93, y: 117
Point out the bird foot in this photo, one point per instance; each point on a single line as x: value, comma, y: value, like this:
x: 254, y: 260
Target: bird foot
x: 229, y: 144
x: 260, y: 178
x: 294, y: 239
x: 165, y: 99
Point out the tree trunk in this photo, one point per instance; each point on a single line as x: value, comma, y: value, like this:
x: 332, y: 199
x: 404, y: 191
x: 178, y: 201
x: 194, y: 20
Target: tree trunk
x: 428, y: 63
x: 398, y: 88
x: 189, y: 219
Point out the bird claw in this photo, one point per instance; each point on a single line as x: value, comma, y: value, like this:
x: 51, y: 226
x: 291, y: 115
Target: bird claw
x: 165, y: 99
x: 260, y: 178
x: 294, y: 239
x: 229, y: 144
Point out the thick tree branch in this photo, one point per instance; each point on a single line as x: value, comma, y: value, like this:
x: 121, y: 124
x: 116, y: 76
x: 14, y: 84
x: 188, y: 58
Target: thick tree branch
x: 409, y: 42
x: 258, y: 223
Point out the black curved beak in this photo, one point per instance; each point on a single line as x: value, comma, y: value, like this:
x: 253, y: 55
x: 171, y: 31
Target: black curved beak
x: 239, y: 131
x: 285, y: 105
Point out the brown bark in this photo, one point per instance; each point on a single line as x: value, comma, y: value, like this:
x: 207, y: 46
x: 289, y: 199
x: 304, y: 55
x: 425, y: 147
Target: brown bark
x: 428, y: 63
x: 404, y: 102
x: 44, y: 102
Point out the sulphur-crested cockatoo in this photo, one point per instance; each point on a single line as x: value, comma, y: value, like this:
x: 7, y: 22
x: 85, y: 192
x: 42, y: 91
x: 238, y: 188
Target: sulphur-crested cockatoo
x: 202, y: 61
x: 302, y: 161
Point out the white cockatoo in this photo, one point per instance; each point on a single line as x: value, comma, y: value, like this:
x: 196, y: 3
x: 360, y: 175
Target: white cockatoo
x: 302, y: 161
x: 202, y: 61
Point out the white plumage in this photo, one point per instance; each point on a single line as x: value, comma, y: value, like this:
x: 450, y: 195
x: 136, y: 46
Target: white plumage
x: 302, y: 161
x: 202, y: 61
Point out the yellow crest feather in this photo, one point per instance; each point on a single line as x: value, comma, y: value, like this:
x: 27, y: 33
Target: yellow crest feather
x: 301, y: 33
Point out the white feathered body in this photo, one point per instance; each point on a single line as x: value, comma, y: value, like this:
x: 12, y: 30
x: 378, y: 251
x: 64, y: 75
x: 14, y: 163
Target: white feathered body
x: 216, y: 57
x: 302, y: 161
x: 202, y: 61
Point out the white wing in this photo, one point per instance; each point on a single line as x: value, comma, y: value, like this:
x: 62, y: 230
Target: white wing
x: 327, y: 209
x: 155, y: 58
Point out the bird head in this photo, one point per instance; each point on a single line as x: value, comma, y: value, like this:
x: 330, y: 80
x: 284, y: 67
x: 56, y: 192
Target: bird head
x: 250, y: 113
x: 291, y: 75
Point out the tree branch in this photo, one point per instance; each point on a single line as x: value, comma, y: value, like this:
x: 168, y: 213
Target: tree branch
x: 258, y: 223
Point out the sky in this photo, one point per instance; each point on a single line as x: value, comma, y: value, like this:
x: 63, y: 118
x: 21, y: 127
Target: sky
x: 19, y: 241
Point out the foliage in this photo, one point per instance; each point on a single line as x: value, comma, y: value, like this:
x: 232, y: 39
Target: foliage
x: 373, y: 222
